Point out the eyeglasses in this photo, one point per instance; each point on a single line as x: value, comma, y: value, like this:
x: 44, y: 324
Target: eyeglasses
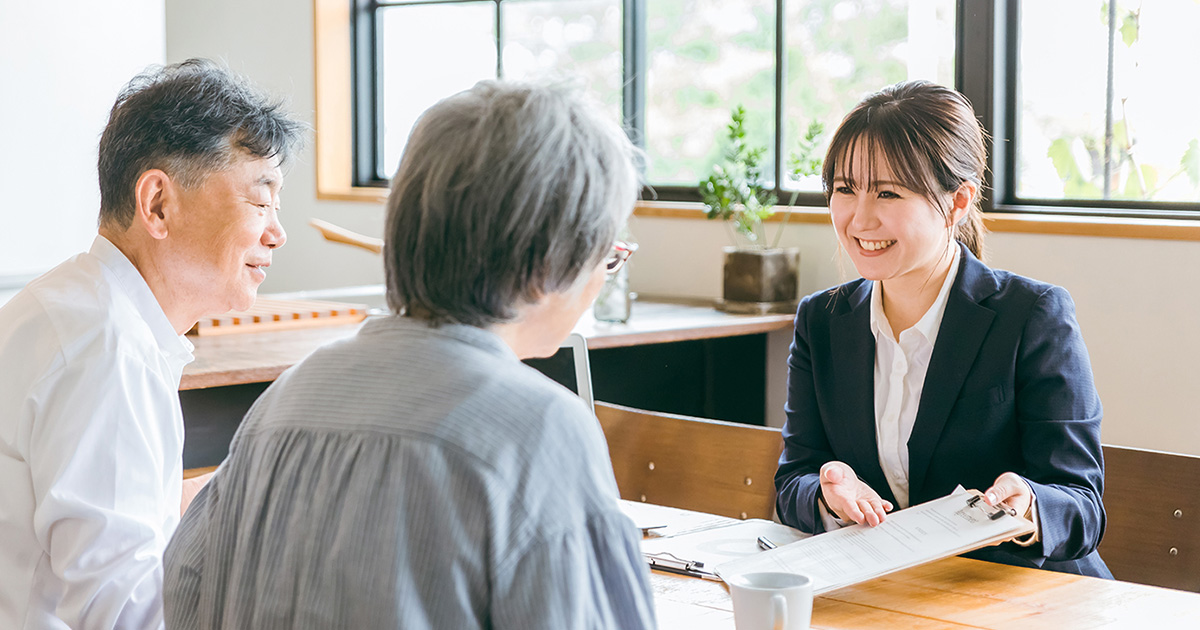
x: 621, y: 251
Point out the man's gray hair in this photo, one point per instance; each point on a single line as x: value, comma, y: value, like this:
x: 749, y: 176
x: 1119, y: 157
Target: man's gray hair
x: 506, y: 192
x: 188, y: 119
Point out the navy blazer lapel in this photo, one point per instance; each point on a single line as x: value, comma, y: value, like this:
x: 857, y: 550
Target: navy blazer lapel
x: 965, y: 325
x: 853, y: 344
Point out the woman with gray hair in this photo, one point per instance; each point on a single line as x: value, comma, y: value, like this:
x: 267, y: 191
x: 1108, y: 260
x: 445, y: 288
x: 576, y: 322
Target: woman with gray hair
x: 419, y: 475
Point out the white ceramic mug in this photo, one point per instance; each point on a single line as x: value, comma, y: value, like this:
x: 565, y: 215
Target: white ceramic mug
x: 771, y: 601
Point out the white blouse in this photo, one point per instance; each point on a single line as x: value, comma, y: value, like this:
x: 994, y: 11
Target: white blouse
x: 900, y: 368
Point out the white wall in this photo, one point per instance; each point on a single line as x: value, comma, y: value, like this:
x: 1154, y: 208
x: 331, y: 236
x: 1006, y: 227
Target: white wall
x: 1137, y: 300
x: 61, y: 67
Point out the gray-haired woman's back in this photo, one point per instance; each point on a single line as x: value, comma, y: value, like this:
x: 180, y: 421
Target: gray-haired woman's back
x: 411, y: 477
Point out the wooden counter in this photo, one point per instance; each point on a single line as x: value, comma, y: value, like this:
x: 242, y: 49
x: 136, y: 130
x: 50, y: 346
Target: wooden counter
x: 262, y: 357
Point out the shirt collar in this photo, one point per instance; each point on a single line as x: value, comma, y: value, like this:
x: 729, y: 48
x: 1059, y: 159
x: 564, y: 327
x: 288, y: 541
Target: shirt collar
x: 472, y: 335
x: 931, y: 321
x: 134, y: 286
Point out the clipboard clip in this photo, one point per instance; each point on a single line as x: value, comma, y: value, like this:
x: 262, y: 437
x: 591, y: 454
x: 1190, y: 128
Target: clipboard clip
x: 993, y: 512
x: 674, y: 564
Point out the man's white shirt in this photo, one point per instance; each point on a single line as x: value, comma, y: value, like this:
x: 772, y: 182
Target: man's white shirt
x: 91, y: 444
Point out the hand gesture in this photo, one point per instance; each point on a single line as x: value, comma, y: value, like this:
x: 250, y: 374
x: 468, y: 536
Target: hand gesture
x: 850, y: 498
x: 1011, y: 490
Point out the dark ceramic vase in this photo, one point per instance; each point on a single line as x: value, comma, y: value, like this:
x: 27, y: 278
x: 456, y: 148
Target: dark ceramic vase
x: 760, y: 280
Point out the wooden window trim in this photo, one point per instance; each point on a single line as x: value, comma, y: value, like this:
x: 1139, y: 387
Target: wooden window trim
x: 334, y: 156
x: 334, y: 118
x: 1159, y: 229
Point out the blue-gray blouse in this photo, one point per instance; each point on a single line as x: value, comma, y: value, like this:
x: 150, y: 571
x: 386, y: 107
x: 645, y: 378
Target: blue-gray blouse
x: 411, y: 477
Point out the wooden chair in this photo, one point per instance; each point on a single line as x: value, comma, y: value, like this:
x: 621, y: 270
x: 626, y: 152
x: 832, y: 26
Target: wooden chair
x: 188, y: 473
x: 1153, y: 505
x: 691, y: 463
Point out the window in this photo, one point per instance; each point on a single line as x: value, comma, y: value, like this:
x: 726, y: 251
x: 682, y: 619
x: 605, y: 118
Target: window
x: 1101, y: 115
x: 426, y: 50
x: 672, y: 70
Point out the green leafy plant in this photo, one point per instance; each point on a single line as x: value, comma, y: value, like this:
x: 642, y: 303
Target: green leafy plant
x: 803, y: 162
x: 735, y: 191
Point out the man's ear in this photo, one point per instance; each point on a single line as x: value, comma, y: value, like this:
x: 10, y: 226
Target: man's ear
x: 961, y: 203
x: 154, y: 202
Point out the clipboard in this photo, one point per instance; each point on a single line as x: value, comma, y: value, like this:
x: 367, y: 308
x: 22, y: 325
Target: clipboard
x: 695, y: 553
x: 951, y: 525
x: 993, y: 512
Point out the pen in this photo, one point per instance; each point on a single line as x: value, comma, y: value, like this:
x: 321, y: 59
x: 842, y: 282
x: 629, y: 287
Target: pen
x: 688, y: 572
x: 765, y: 544
x: 672, y: 564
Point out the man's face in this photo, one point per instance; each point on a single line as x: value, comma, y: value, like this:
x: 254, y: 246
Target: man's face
x: 223, y: 236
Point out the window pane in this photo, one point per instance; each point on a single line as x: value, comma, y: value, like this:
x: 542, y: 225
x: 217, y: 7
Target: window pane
x: 426, y: 53
x: 566, y: 39
x: 841, y: 50
x: 1062, y: 77
x: 704, y: 57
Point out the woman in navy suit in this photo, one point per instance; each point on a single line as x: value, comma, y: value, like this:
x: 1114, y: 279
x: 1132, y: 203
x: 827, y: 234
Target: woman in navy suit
x: 933, y: 370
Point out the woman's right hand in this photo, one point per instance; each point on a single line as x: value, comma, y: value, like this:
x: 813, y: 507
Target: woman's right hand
x: 850, y: 498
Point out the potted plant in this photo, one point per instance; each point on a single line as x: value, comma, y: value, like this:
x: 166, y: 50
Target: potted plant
x: 758, y: 278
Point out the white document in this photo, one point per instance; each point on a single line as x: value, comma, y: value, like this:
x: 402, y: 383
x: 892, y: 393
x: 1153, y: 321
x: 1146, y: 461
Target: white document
x: 922, y: 533
x: 663, y: 521
x: 714, y: 546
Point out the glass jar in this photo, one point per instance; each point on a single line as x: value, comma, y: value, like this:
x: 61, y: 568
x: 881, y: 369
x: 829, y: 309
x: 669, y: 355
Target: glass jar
x: 614, y: 302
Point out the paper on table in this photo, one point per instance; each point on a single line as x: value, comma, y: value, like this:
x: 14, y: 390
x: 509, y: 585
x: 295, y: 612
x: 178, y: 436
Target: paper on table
x: 720, y: 544
x: 663, y: 521
x: 943, y: 527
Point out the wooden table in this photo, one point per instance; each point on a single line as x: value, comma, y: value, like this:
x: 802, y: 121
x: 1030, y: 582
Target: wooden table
x: 951, y: 593
x: 261, y: 357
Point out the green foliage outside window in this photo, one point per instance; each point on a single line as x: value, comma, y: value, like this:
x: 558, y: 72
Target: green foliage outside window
x: 1080, y: 159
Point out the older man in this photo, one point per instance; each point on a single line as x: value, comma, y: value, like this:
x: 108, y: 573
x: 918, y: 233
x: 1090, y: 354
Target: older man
x: 91, y: 434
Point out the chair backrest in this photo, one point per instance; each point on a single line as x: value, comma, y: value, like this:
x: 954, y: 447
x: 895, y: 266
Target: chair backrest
x: 692, y: 463
x: 1153, y: 504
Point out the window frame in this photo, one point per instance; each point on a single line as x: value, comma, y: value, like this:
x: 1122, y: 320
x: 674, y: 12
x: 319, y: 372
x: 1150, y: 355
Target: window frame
x: 1001, y: 122
x: 366, y: 72
x: 364, y: 24
x: 985, y: 48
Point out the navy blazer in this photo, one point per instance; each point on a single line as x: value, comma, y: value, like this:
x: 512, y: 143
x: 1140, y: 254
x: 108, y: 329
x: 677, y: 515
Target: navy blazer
x: 1009, y: 388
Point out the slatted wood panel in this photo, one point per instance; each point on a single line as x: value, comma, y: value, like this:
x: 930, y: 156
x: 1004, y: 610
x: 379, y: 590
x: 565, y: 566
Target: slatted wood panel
x: 268, y: 314
x: 691, y: 463
x: 1153, y: 505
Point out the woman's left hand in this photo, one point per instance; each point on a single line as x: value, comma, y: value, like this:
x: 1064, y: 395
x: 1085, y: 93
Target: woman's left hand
x: 1013, y: 491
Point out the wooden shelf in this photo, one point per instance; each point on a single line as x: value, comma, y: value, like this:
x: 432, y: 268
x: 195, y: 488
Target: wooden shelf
x: 663, y: 321
x: 262, y: 357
